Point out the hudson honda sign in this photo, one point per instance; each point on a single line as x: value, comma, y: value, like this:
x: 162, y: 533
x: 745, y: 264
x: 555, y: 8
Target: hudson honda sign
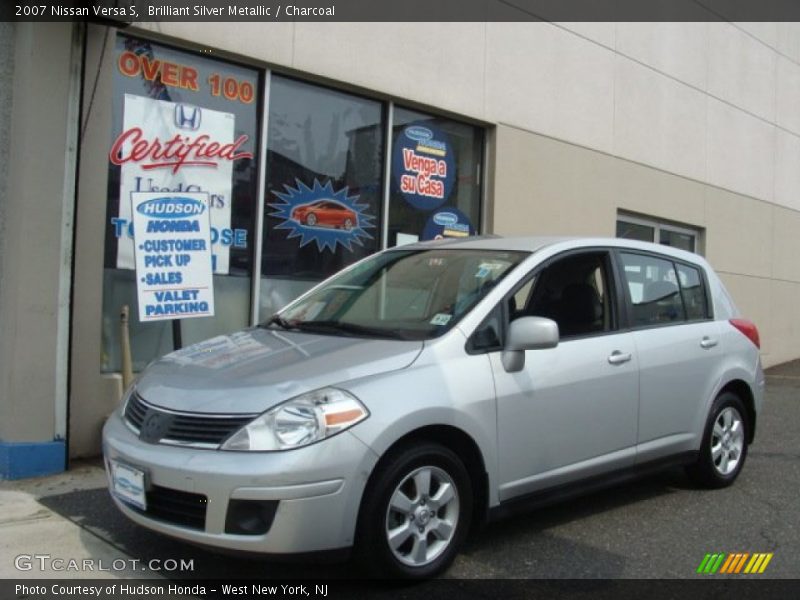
x: 177, y: 148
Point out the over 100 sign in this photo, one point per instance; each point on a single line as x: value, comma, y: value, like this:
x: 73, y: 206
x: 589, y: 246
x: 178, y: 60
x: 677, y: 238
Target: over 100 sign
x: 172, y: 245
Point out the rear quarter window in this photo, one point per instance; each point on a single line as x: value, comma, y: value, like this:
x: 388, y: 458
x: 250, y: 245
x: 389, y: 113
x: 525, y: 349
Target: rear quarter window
x: 693, y: 292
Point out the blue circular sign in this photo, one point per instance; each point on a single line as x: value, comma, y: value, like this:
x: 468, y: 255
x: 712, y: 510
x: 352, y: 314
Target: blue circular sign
x: 423, y: 165
x: 447, y: 223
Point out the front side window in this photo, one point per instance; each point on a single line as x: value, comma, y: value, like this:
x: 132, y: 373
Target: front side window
x: 401, y: 294
x: 574, y: 292
x: 653, y: 289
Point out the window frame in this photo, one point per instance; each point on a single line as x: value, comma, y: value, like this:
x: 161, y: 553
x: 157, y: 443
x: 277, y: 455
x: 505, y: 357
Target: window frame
x: 659, y: 226
x: 628, y: 302
x: 619, y: 315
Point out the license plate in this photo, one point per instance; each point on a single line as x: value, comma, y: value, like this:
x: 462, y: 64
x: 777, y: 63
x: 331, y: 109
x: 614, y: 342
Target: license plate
x: 127, y: 484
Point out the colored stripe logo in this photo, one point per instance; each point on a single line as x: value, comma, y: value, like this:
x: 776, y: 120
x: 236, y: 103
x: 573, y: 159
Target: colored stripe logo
x: 735, y: 563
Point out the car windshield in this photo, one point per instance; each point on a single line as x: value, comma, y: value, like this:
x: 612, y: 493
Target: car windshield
x: 402, y: 294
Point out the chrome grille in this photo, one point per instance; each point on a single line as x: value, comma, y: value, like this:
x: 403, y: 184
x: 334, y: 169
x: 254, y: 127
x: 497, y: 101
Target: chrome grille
x: 178, y: 428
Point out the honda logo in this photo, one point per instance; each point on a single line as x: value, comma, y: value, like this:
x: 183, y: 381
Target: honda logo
x: 187, y: 117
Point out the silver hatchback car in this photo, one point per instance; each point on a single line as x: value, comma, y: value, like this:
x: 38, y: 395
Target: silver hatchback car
x: 431, y: 387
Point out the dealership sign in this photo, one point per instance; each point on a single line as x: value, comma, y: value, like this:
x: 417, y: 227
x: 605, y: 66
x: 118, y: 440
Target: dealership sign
x: 447, y: 223
x: 321, y: 215
x: 423, y: 165
x: 172, y: 238
x: 176, y: 148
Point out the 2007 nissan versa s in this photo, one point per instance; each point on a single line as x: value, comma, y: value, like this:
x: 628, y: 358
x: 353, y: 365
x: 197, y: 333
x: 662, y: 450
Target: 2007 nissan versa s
x: 432, y: 386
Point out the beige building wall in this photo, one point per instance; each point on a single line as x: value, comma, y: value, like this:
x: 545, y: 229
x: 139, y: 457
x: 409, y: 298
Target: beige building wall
x: 34, y: 241
x: 551, y: 187
x: 715, y: 102
x: 93, y: 395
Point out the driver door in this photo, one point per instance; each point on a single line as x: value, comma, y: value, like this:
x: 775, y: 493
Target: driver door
x: 572, y: 411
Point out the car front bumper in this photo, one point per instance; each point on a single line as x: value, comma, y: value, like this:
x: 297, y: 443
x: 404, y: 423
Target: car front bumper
x: 317, y: 489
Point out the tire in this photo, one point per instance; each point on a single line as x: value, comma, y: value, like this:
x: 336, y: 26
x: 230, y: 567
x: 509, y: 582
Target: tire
x: 724, y: 446
x: 311, y: 220
x: 348, y: 224
x: 423, y: 538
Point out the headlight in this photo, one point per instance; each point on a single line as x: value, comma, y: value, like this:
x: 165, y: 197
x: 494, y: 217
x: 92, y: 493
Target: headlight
x: 300, y: 421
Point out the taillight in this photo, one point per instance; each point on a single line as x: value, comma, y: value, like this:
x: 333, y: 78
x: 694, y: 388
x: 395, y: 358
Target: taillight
x: 749, y: 329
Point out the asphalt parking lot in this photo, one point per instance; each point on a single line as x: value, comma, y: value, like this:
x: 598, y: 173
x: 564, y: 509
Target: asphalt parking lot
x: 659, y: 527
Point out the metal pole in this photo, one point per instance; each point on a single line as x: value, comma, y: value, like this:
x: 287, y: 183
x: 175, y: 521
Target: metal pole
x: 260, y: 202
x: 387, y: 185
x: 125, y: 347
x: 177, y: 338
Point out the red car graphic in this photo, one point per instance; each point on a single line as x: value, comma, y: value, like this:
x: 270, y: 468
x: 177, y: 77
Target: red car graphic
x: 325, y: 213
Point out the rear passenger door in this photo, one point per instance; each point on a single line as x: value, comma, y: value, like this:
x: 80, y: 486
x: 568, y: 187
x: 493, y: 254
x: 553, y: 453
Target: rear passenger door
x: 676, y: 342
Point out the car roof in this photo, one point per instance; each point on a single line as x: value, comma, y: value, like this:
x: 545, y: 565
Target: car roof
x: 554, y: 243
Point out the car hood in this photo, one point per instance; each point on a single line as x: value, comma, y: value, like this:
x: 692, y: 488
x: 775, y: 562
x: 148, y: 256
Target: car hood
x: 253, y: 370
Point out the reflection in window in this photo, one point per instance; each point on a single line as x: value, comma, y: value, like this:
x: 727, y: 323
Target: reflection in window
x: 652, y: 230
x: 435, y: 179
x: 676, y: 239
x: 572, y: 292
x: 693, y: 292
x: 653, y: 288
x: 412, y: 294
x: 323, y: 196
x: 635, y: 231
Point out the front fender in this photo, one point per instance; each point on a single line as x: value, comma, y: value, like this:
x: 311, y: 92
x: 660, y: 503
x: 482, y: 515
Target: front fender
x: 458, y: 392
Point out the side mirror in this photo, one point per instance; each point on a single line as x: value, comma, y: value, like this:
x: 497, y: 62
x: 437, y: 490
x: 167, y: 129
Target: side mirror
x: 527, y: 333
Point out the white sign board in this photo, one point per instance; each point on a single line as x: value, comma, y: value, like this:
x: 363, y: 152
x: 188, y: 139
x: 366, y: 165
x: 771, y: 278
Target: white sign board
x: 172, y: 239
x: 175, y: 148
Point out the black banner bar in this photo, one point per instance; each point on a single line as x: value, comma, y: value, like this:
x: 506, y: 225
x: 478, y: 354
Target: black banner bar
x: 123, y: 12
x: 709, y: 587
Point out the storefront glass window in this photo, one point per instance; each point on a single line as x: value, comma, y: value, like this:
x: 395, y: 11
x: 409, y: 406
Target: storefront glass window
x: 651, y: 230
x: 323, y: 193
x: 635, y: 231
x: 181, y: 123
x: 435, y: 179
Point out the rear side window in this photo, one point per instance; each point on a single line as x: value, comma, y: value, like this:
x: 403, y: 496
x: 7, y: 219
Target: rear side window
x: 653, y: 289
x: 693, y: 292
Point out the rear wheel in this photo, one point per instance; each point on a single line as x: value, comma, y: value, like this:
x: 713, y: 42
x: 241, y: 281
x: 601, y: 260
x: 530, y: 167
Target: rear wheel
x: 311, y: 219
x: 724, y: 447
x: 416, y: 513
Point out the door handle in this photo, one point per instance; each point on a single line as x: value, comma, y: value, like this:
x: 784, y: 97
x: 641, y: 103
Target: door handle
x: 707, y: 342
x: 617, y: 357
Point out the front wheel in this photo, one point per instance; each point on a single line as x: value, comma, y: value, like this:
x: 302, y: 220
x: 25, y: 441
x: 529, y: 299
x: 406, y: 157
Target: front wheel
x: 416, y: 513
x: 724, y: 446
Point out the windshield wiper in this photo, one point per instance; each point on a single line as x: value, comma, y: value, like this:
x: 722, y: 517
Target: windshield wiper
x: 339, y: 326
x: 279, y: 321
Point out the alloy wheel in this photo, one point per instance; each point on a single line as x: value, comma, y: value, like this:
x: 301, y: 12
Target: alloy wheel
x: 422, y: 516
x: 727, y: 440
